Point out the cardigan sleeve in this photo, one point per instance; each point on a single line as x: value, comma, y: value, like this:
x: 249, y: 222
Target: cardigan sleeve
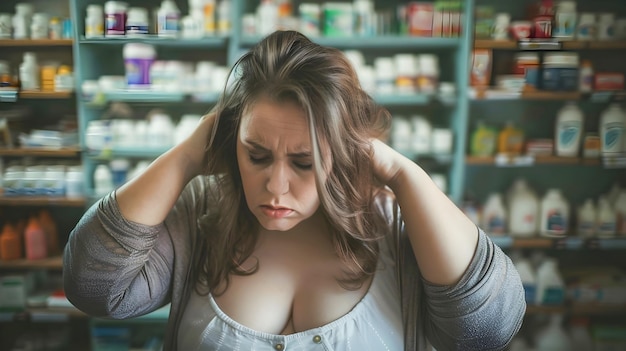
x: 483, y: 311
x: 116, y: 268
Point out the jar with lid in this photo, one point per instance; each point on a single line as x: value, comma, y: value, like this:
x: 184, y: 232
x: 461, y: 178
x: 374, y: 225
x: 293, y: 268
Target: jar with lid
x: 560, y: 71
x: 94, y: 22
x: 115, y: 18
x: 406, y: 73
x: 428, y: 77
x: 137, y: 22
x: 64, y: 79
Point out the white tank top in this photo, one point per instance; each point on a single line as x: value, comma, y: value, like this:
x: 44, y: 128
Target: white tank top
x: 375, y: 323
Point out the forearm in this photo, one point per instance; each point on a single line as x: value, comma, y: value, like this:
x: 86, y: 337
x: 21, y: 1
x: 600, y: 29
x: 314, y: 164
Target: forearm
x: 443, y: 238
x: 148, y: 198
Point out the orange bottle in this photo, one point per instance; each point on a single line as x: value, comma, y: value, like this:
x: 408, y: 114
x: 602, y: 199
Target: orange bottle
x: 510, y: 140
x: 35, y: 240
x: 10, y: 243
x: 50, y: 228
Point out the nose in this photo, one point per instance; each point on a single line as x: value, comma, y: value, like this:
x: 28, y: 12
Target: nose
x: 278, y: 181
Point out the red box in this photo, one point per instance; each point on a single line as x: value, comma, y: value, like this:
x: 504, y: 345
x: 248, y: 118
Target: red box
x: 608, y: 81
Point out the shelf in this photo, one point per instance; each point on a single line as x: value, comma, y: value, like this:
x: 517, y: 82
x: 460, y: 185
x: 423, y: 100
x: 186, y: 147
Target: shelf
x: 204, y: 43
x: 529, y: 160
x: 130, y: 152
x: 567, y: 243
x: 25, y: 94
x: 482, y: 94
x: 591, y: 309
x: 35, y: 42
x: 54, y: 263
x: 403, y: 99
x: 390, y: 42
x: 41, y: 152
x: 548, y: 45
x: 41, y: 201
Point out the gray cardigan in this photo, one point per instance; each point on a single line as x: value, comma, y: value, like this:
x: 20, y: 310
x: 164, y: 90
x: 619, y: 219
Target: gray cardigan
x: 118, y: 269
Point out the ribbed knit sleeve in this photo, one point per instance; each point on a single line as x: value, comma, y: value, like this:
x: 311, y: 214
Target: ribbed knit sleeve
x: 483, y: 311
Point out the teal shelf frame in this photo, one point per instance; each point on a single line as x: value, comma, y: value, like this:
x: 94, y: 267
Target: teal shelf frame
x: 89, y: 63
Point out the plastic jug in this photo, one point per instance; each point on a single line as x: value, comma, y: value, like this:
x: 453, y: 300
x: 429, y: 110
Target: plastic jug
x: 568, y: 131
x: 523, y: 210
x: 528, y: 277
x: 550, y: 284
x: 493, y: 220
x: 10, y: 243
x: 554, y: 214
x: 35, y: 240
x: 612, y: 129
x: 606, y: 219
x: 50, y: 228
x: 483, y: 141
x: 586, y: 224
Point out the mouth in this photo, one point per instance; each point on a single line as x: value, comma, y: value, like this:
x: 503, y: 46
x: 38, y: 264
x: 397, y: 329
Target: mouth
x: 276, y: 211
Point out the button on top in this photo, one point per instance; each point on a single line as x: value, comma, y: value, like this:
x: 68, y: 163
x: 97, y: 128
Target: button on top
x: 279, y: 347
x: 317, y: 339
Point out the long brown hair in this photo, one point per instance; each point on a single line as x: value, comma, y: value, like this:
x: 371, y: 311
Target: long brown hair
x: 287, y: 66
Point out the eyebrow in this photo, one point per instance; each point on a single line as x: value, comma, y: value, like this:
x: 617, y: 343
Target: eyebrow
x: 258, y: 146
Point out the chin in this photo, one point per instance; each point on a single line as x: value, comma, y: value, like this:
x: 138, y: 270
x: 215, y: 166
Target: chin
x: 281, y: 225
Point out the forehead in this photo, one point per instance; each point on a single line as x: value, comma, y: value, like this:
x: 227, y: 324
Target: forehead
x: 268, y: 117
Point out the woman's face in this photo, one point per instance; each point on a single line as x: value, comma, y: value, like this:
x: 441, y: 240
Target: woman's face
x: 275, y: 160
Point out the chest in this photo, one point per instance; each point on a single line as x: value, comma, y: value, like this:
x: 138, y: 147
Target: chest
x: 295, y: 288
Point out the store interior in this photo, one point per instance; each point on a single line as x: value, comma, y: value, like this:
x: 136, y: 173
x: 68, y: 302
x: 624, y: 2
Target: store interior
x: 514, y: 108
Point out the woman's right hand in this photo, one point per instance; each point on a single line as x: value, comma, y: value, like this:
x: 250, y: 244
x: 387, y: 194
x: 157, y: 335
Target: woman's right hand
x: 194, y: 146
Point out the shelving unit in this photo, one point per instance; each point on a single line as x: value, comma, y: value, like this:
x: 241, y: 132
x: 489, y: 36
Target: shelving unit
x: 578, y: 178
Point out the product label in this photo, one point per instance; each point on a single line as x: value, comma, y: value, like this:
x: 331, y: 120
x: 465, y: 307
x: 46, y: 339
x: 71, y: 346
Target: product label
x: 613, y: 137
x: 556, y: 223
x: 138, y: 71
x: 136, y: 29
x: 115, y: 23
x: 606, y: 227
x: 569, y: 133
x: 495, y: 225
x: 552, y: 296
x: 586, y: 227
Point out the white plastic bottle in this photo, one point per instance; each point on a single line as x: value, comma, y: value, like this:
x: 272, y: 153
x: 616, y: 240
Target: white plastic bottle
x: 168, y: 19
x: 568, y: 131
x: 528, y: 277
x: 550, y: 284
x: 554, y: 214
x: 29, y: 72
x: 494, y: 217
x: 102, y: 180
x: 94, y: 22
x: 224, y: 24
x: 267, y: 17
x: 586, y: 221
x: 620, y: 214
x: 606, y: 218
x: 523, y: 211
x: 565, y: 20
x: 554, y: 337
x: 612, y: 129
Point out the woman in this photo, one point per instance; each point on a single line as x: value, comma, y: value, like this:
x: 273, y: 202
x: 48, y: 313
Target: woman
x: 282, y: 223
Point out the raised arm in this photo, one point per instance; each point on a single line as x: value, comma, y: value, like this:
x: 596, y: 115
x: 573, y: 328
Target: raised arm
x: 123, y: 256
x: 443, y: 238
